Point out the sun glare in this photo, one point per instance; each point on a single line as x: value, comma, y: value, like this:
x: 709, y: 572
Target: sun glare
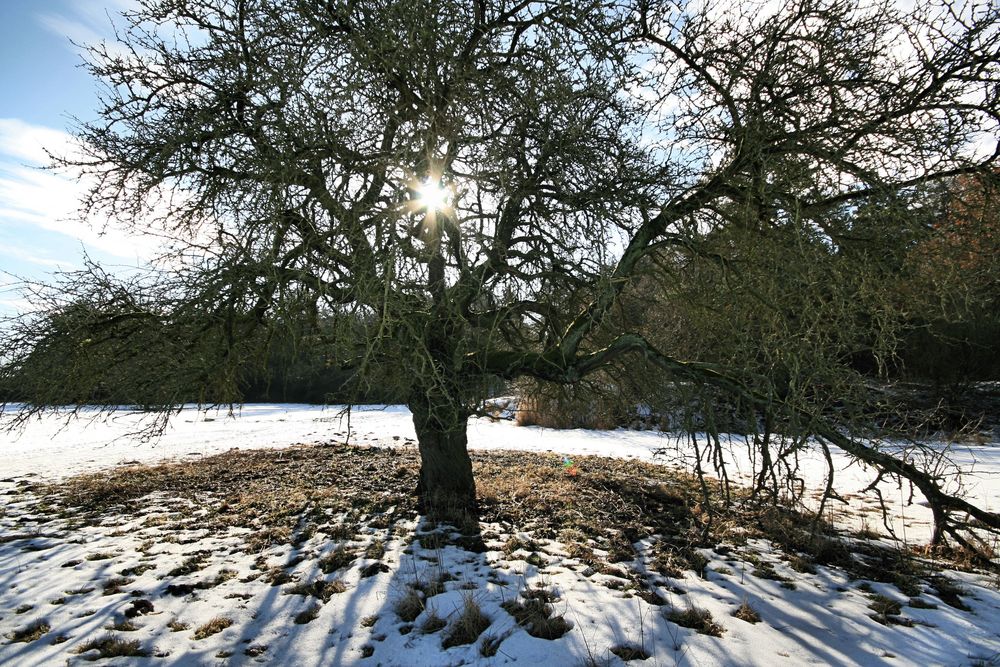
x: 432, y: 196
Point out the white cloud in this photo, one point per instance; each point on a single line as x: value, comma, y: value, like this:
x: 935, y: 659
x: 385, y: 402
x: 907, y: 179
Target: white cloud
x: 28, y: 142
x: 88, y: 21
x: 49, y: 200
x: 80, y: 32
x: 23, y: 255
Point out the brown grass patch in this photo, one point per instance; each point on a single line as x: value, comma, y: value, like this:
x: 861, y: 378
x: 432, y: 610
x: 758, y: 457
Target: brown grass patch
x: 320, y: 589
x: 215, y: 626
x: 747, y: 613
x: 535, y: 615
x: 699, y: 620
x: 337, y: 559
x: 628, y: 652
x: 465, y: 629
x: 113, y: 647
x: 409, y: 605
x: 432, y: 623
x: 307, y: 616
x: 338, y: 488
x: 31, y: 632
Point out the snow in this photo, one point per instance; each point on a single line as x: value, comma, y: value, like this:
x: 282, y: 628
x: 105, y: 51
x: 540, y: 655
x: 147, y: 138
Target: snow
x: 818, y: 619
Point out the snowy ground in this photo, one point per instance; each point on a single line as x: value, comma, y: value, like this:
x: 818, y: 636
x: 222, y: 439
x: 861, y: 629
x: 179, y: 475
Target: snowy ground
x: 56, y: 579
x: 51, y: 447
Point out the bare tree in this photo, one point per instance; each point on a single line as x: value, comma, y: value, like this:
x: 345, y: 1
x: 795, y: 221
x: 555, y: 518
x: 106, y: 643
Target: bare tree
x: 478, y: 182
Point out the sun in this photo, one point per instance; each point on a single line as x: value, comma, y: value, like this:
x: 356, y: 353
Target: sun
x: 432, y: 196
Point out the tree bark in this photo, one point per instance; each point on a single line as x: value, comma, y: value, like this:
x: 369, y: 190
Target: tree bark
x: 446, y: 488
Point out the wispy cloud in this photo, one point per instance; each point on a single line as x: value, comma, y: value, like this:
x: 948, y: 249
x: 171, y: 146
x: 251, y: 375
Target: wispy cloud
x: 24, y: 255
x: 48, y: 200
x: 26, y: 142
x: 86, y: 22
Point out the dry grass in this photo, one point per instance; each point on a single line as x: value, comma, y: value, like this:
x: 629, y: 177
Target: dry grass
x: 113, y: 647
x: 535, y: 614
x: 31, y: 632
x: 699, y: 620
x: 747, y: 613
x: 115, y: 585
x: 123, y: 625
x: 375, y: 550
x: 490, y: 645
x: 320, y: 589
x: 409, y: 605
x: 337, y: 559
x: 608, y: 506
x: 466, y: 628
x: 307, y: 615
x: 215, y: 626
x: 558, y: 412
x: 277, y: 491
x: 629, y: 652
x: 432, y: 623
x: 537, y: 619
x: 266, y: 490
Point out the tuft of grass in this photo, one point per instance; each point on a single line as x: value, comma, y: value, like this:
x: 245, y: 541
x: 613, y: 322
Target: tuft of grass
x: 320, y: 589
x: 948, y: 592
x: 337, y: 559
x: 215, y: 626
x: 885, y: 606
x: 920, y: 603
x: 123, y: 625
x: 100, y: 555
x: 375, y: 550
x: 136, y: 570
x: 278, y: 576
x: 432, y: 623
x: 224, y: 575
x: 803, y: 564
x: 373, y: 569
x: 515, y: 543
x: 31, y: 632
x: 629, y: 652
x: 369, y: 621
x: 471, y: 623
x: 535, y: 615
x: 699, y: 620
x: 747, y: 613
x: 114, y: 585
x: 113, y: 647
x: 307, y: 615
x: 178, y: 626
x: 409, y: 606
x: 490, y: 645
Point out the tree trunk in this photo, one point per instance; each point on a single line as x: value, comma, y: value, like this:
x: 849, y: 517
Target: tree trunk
x: 447, y: 490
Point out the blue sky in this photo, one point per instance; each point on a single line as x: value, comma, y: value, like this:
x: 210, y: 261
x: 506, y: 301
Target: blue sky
x: 42, y: 86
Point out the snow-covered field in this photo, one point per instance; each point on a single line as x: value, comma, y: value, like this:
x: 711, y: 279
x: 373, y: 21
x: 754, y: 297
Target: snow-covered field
x: 52, y: 447
x: 821, y: 618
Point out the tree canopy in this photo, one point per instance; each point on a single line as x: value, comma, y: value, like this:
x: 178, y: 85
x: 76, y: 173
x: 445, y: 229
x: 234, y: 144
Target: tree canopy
x: 472, y: 189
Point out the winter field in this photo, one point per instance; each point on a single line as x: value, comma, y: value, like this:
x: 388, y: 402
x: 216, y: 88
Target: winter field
x: 311, y: 555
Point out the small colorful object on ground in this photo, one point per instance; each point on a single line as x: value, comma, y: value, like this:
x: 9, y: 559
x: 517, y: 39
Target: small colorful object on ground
x: 571, y: 468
